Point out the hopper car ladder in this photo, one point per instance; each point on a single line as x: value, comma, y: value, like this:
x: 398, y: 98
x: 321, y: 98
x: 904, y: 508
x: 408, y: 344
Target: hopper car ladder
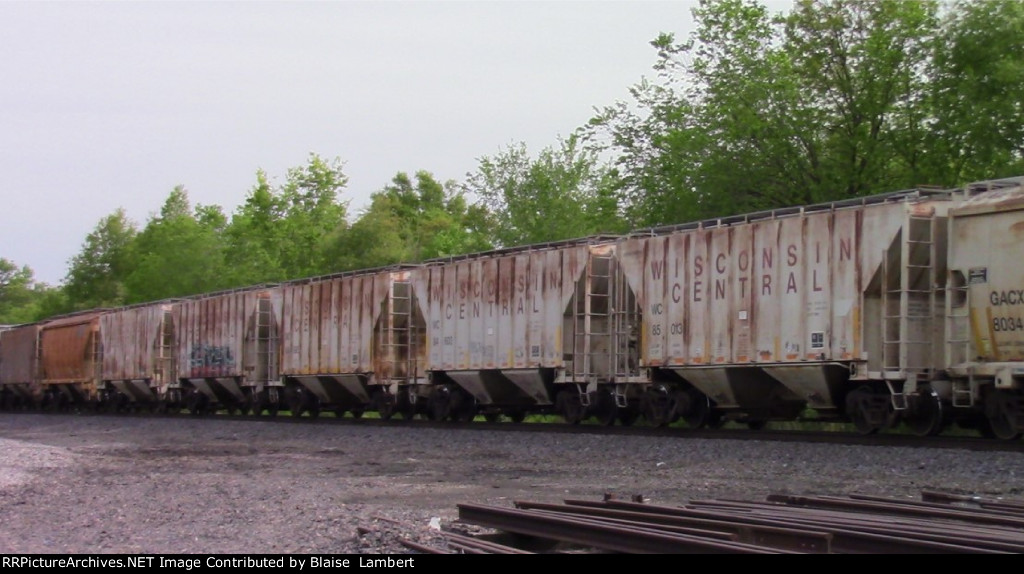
x: 595, y: 303
x: 398, y: 337
x: 163, y: 363
x: 625, y: 328
x: 601, y: 333
x: 34, y: 387
x: 266, y: 342
x: 958, y: 349
x: 97, y: 361
x: 908, y: 306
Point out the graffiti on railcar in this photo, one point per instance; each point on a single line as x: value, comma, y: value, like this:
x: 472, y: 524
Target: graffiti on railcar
x: 211, y: 361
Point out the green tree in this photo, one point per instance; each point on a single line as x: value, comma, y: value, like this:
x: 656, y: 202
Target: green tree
x: 862, y: 66
x: 756, y: 111
x: 254, y: 235
x: 17, y: 294
x: 566, y: 192
x: 410, y: 221
x: 282, y: 233
x: 977, y: 82
x: 180, y: 252
x: 50, y: 302
x: 97, y: 274
x: 313, y: 209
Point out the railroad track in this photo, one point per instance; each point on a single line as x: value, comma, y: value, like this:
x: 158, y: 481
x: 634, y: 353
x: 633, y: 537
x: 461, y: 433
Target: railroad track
x: 782, y: 524
x: 889, y: 439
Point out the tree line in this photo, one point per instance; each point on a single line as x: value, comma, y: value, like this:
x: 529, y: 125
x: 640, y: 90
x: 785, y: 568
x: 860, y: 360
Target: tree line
x: 753, y: 110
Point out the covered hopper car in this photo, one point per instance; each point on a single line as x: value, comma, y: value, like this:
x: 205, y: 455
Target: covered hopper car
x: 905, y: 308
x: 138, y: 358
x: 19, y: 384
x: 351, y: 342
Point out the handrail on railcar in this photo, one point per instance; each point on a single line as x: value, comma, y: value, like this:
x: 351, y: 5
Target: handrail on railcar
x: 352, y: 273
x: 587, y: 240
x: 789, y: 211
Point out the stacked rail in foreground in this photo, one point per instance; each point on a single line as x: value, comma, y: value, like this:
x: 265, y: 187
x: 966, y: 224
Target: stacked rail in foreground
x: 938, y: 524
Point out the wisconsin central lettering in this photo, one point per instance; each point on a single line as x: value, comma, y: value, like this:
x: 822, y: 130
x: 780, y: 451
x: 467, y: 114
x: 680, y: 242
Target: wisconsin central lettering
x: 709, y: 274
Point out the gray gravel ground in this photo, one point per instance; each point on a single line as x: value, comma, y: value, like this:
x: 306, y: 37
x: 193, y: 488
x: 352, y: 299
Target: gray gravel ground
x: 97, y: 484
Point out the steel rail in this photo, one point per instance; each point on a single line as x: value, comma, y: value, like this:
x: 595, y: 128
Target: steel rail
x: 798, y: 540
x: 600, y: 535
x: 846, y: 536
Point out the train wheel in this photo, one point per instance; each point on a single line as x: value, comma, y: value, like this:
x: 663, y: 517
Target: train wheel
x: 197, y: 403
x: 697, y: 413
x: 296, y: 402
x: 893, y: 418
x: 570, y: 407
x: 404, y: 404
x: 659, y: 408
x: 440, y: 406
x: 858, y: 409
x: 312, y: 405
x: 492, y: 417
x: 385, y: 405
x: 463, y: 407
x: 357, y: 413
x: 516, y: 416
x: 756, y: 424
x: 171, y: 400
x: 169, y: 406
x: 1000, y: 408
x: 927, y: 416
x: 255, y: 402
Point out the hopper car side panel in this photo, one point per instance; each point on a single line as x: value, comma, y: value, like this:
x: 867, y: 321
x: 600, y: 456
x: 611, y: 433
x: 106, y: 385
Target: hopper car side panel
x: 773, y: 310
x: 227, y: 347
x: 138, y: 348
x: 70, y: 356
x: 497, y: 326
x: 19, y: 360
x: 18, y: 355
x: 497, y: 313
x: 349, y: 340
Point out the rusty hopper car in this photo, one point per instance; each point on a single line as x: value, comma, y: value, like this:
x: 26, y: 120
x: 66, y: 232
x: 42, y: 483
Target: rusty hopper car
x: 838, y: 307
x: 520, y: 330
x: 138, y: 357
x: 353, y: 341
x: 69, y: 365
x: 227, y: 351
x: 19, y: 361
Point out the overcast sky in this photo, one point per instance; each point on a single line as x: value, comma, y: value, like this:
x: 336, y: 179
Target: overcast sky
x: 112, y: 104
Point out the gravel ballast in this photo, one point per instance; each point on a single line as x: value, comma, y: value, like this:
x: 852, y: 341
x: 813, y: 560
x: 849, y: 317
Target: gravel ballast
x: 99, y: 484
